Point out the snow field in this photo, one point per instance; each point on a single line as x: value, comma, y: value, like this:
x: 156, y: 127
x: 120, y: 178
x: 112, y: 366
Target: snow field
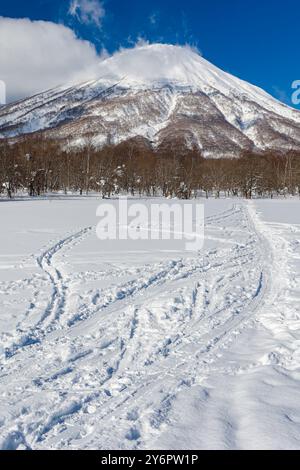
x: 160, y: 349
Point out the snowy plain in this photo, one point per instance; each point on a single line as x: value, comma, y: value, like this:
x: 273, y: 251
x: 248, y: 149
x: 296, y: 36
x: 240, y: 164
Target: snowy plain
x: 156, y: 349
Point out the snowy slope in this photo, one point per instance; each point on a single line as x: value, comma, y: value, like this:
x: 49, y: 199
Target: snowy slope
x: 154, y: 349
x: 159, y: 92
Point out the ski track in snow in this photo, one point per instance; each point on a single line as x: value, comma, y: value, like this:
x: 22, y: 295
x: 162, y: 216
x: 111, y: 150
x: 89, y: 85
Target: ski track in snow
x: 56, y: 305
x: 105, y: 370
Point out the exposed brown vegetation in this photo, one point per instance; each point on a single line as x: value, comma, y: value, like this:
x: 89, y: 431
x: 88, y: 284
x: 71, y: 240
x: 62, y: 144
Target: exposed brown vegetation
x: 39, y: 166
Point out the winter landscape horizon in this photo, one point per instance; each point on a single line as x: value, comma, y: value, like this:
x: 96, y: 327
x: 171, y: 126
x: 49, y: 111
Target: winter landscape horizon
x: 150, y: 229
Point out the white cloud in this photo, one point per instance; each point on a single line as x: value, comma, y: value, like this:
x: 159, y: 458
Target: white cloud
x: 154, y: 18
x: 87, y: 11
x: 146, y: 63
x: 37, y: 55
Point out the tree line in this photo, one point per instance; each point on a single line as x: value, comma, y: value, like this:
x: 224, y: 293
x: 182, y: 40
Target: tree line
x: 38, y: 166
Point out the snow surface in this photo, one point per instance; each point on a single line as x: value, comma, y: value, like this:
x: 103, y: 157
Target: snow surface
x: 150, y: 349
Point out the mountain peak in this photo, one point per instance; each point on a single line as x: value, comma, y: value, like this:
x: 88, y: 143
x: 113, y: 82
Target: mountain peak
x: 126, y: 97
x: 156, y: 63
x: 153, y: 64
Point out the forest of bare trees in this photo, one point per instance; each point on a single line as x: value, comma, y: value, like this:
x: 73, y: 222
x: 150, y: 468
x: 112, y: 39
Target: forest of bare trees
x: 37, y: 166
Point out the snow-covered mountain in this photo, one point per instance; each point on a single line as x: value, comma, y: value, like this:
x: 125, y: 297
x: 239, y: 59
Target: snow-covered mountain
x: 164, y: 94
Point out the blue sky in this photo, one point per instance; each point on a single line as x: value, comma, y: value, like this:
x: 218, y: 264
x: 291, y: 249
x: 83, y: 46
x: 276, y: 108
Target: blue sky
x: 258, y: 41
